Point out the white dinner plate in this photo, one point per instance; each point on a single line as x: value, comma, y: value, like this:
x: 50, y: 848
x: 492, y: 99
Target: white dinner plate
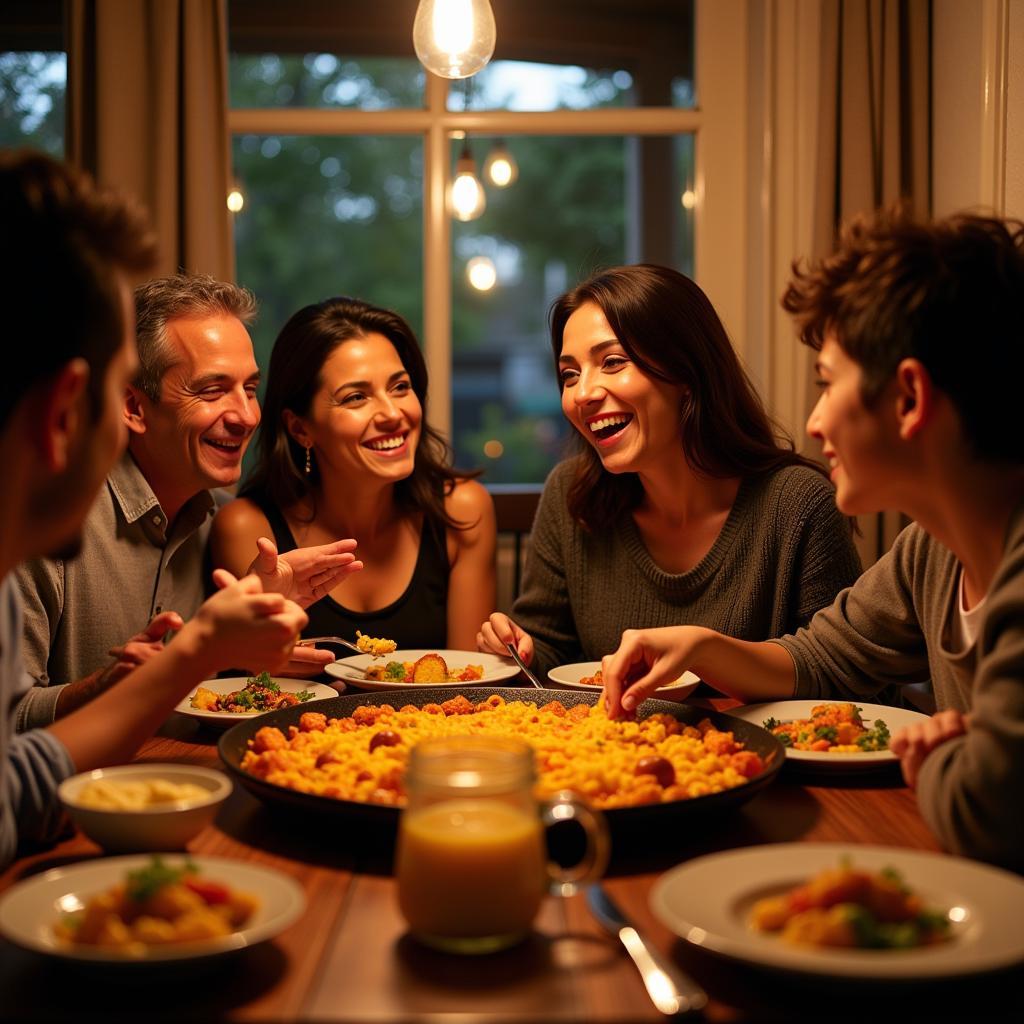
x: 791, y: 710
x: 707, y: 902
x: 30, y: 909
x: 351, y: 669
x: 226, y: 719
x: 569, y: 676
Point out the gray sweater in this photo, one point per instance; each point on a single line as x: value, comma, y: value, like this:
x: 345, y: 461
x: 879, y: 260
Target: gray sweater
x: 783, y: 553
x: 894, y: 626
x: 32, y: 766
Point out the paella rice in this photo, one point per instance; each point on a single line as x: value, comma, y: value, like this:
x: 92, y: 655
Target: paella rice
x: 610, y: 763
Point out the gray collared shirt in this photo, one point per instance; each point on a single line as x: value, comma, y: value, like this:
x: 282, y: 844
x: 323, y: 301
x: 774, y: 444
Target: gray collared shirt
x: 131, y: 567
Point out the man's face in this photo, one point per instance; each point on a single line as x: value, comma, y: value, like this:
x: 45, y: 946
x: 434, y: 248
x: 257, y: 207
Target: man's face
x: 66, y: 500
x: 859, y: 443
x: 195, y: 436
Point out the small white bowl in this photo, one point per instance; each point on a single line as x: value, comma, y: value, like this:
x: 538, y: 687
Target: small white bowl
x: 166, y: 827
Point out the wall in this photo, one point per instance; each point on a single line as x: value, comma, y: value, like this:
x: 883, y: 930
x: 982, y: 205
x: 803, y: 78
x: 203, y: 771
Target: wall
x: 978, y: 129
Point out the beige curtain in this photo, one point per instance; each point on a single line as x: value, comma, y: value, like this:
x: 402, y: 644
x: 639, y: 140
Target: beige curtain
x: 147, y: 111
x: 874, y: 139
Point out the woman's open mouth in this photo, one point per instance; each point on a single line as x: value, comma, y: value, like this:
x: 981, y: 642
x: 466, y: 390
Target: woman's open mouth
x: 389, y: 445
x: 606, y: 429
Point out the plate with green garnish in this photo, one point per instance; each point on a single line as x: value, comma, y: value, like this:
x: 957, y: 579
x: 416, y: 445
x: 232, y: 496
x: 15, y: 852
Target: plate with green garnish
x: 832, y: 735
x: 223, y: 703
x: 49, y: 913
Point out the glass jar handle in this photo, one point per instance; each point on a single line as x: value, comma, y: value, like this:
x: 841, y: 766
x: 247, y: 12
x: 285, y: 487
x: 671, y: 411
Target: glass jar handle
x: 567, y: 806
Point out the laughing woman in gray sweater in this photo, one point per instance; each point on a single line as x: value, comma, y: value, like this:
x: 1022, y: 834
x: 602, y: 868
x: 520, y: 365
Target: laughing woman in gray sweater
x: 683, y: 505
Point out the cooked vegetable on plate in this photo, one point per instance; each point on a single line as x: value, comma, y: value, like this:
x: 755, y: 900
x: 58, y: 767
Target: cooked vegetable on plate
x: 259, y: 694
x: 848, y: 907
x: 155, y: 905
x: 832, y: 728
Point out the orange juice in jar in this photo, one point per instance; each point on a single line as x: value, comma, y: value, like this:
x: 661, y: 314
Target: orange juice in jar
x: 471, y: 862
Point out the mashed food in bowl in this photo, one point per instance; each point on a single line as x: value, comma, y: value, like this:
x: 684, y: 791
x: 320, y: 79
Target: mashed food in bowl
x: 136, y: 794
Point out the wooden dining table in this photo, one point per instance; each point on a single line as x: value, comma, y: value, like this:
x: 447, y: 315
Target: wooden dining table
x: 349, y: 957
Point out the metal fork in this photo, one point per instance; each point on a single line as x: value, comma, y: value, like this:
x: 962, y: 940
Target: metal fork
x: 522, y: 664
x: 312, y: 641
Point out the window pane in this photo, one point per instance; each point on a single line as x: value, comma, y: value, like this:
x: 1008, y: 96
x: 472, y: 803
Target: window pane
x: 32, y: 89
x: 329, y: 216
x: 521, y: 85
x: 325, y: 80
x: 579, y: 204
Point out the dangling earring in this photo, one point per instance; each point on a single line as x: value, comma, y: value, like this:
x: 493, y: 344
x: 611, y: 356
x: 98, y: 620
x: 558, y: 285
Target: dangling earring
x: 309, y: 461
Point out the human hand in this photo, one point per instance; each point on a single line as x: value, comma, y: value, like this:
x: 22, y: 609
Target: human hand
x: 307, y: 662
x: 913, y: 743
x: 645, y: 660
x: 304, y: 575
x: 138, y: 649
x: 498, y: 630
x: 243, y: 627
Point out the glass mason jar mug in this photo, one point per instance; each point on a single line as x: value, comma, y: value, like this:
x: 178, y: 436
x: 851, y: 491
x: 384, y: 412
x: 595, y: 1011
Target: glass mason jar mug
x: 472, y: 865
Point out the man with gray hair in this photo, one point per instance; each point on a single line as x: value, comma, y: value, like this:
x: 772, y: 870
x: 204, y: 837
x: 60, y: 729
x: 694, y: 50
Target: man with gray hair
x: 190, y: 412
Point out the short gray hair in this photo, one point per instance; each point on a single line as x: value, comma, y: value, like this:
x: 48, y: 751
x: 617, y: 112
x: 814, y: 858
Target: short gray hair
x: 182, y: 295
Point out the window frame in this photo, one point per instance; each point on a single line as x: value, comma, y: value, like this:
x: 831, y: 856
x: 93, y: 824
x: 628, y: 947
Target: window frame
x: 717, y: 122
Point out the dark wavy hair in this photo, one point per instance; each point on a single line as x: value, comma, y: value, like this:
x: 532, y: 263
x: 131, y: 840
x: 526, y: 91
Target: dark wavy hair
x: 949, y: 293
x: 296, y: 365
x: 671, y: 331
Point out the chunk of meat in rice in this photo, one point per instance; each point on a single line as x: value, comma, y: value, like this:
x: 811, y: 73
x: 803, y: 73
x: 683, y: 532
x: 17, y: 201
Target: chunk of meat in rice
x: 313, y: 721
x: 268, y: 738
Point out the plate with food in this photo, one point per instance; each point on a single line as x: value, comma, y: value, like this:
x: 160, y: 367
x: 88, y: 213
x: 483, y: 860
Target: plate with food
x: 673, y: 759
x: 223, y: 702
x: 832, y: 735
x: 403, y: 669
x: 586, y: 675
x: 860, y: 912
x: 149, y: 909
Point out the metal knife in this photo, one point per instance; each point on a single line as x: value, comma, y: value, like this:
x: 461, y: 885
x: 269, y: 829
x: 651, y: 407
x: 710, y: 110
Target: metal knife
x: 671, y: 991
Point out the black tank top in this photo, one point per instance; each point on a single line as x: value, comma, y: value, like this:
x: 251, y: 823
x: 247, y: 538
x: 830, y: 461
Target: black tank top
x: 417, y: 619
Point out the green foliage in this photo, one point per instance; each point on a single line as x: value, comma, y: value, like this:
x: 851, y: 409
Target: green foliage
x: 32, y: 101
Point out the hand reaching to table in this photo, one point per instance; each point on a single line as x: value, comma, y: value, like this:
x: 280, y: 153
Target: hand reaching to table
x: 913, y: 743
x: 645, y: 660
x: 304, y: 575
x: 498, y: 630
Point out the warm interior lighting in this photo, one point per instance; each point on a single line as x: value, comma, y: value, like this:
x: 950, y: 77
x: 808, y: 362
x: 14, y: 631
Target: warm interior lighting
x: 467, y: 196
x: 235, y: 200
x: 454, y: 38
x: 500, y: 167
x: 688, y: 199
x: 482, y: 274
x: 494, y: 449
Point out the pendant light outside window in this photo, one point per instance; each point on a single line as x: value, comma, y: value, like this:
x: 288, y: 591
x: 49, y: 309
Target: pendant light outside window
x: 500, y: 167
x: 454, y: 38
x: 466, y: 196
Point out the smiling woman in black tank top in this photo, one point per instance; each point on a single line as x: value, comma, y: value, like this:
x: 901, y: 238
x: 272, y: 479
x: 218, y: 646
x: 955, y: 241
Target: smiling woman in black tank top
x: 345, y: 451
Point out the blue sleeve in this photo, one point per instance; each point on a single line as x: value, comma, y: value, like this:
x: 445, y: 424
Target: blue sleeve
x: 36, y: 764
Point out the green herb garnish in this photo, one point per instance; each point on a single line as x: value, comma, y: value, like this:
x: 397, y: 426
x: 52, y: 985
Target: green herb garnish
x: 147, y: 881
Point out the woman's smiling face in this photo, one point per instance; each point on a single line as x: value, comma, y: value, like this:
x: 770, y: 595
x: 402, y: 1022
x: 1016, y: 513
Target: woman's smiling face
x: 365, y: 416
x: 629, y: 417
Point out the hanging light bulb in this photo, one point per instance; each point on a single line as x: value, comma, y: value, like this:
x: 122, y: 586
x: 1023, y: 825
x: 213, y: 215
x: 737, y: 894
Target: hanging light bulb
x: 500, y: 167
x: 467, y: 196
x: 236, y: 199
x: 454, y: 38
